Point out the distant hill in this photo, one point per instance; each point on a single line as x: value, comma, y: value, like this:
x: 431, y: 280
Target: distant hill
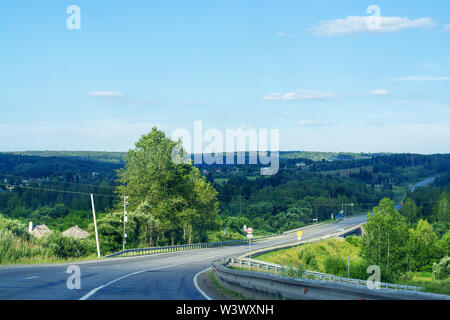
x: 104, y: 156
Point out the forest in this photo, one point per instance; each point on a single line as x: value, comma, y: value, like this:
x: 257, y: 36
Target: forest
x: 53, y: 188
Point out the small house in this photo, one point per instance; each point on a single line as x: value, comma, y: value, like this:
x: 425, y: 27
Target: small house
x: 75, y: 232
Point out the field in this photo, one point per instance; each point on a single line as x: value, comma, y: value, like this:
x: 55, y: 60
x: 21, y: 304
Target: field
x: 347, y: 172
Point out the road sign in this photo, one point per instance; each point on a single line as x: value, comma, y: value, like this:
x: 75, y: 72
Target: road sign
x: 249, y: 235
x: 299, y: 235
x: 249, y: 230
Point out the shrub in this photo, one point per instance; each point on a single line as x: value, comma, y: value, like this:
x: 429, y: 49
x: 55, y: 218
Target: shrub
x: 441, y: 270
x: 67, y: 247
x: 335, y: 265
x: 354, y: 240
x: 308, y: 257
x: 295, y: 272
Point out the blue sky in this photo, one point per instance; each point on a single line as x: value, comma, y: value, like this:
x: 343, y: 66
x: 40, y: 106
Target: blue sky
x: 311, y: 69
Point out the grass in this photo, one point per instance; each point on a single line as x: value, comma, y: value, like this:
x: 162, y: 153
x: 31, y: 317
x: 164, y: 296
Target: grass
x: 346, y: 172
x: 425, y: 280
x: 224, y: 291
x: 313, y: 256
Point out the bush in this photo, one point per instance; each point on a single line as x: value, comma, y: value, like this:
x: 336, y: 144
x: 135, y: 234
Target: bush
x: 441, y: 270
x: 335, y: 265
x: 308, y: 257
x: 354, y: 240
x: 15, y: 227
x: 67, y: 247
x: 295, y: 272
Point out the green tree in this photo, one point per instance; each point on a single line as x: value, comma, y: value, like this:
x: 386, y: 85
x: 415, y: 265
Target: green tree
x: 422, y: 248
x: 173, y: 200
x: 410, y: 210
x: 441, y: 213
x: 385, y: 238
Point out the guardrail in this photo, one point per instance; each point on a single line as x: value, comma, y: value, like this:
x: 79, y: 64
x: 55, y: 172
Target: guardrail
x: 280, y: 269
x: 265, y: 285
x: 183, y: 247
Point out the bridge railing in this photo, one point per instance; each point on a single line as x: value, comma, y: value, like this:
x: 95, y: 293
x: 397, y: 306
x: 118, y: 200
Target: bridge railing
x: 263, y: 266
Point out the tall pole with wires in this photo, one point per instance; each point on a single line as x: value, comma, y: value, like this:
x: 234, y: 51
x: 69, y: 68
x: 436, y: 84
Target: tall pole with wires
x: 95, y: 225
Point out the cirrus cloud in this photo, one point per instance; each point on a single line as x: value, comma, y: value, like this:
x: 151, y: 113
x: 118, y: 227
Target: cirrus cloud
x: 105, y: 94
x: 301, y: 95
x: 361, y: 24
x: 421, y: 78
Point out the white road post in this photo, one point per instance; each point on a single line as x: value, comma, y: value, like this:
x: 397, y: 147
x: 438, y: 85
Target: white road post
x: 125, y: 218
x: 95, y: 225
x: 348, y: 267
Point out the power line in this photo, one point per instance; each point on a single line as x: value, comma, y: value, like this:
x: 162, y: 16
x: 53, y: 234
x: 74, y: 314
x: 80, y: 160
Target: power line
x: 56, y: 190
x: 75, y: 183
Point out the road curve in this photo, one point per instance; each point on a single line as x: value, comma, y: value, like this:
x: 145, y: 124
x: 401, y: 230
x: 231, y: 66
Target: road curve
x: 165, y: 276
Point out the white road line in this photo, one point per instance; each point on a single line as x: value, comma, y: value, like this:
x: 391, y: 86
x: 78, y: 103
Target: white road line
x: 196, y: 284
x: 33, y: 277
x: 94, y: 291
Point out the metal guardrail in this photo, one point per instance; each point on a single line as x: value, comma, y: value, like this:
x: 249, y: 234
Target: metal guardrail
x: 269, y: 285
x: 183, y: 247
x: 280, y: 269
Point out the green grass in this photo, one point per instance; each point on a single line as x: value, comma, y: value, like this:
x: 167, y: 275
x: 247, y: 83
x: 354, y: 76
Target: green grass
x: 220, y: 180
x: 346, y: 172
x: 313, y: 256
x: 425, y: 280
x: 224, y: 291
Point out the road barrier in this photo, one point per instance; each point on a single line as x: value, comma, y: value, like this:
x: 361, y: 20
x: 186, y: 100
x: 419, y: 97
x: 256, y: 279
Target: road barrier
x: 183, y: 247
x: 269, y: 267
x: 265, y: 285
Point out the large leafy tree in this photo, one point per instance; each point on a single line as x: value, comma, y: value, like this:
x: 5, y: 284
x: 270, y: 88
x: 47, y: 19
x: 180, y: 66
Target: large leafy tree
x: 384, y: 240
x: 171, y: 199
x: 410, y: 211
x: 423, y: 249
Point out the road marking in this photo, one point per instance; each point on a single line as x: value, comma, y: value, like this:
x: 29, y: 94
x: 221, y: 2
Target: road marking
x: 33, y: 277
x: 94, y: 291
x: 196, y: 284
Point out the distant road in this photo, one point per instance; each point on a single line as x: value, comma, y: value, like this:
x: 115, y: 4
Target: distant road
x: 422, y: 183
x: 155, y: 277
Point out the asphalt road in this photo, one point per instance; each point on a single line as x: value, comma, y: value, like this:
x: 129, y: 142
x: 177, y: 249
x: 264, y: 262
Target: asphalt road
x: 164, y: 276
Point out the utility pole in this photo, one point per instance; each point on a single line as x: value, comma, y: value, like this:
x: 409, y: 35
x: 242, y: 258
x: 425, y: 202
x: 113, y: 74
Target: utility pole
x: 125, y: 220
x: 95, y: 225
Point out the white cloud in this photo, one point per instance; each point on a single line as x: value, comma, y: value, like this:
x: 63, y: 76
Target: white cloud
x: 447, y: 27
x: 379, y: 92
x: 362, y: 24
x: 301, y: 95
x: 430, y: 66
x: 105, y: 94
x: 285, y: 35
x: 307, y: 122
x: 272, y: 96
x: 421, y: 78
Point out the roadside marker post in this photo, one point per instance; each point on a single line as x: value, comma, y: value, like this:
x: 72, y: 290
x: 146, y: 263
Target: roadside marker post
x: 299, y: 236
x: 249, y: 237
